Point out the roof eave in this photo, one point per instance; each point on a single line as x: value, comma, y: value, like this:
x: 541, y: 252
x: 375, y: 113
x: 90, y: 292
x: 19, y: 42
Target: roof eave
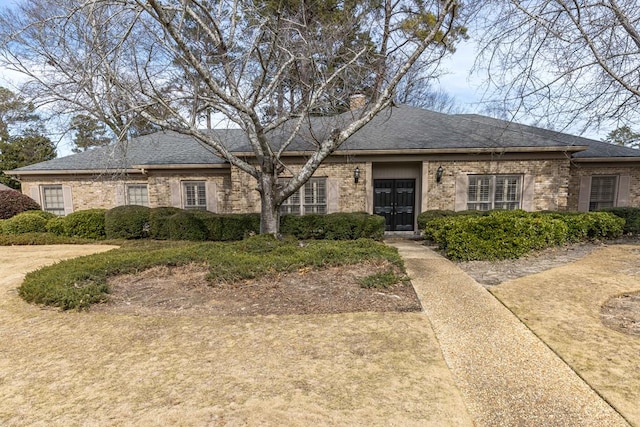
x: 606, y: 159
x: 184, y: 166
x: 71, y: 171
x: 488, y: 150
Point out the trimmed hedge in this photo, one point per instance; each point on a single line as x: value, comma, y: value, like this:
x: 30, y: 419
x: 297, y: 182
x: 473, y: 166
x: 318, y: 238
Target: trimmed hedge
x: 426, y: 216
x: 217, y: 227
x: 589, y: 225
x: 335, y: 226
x: 27, y: 222
x: 127, y: 222
x: 631, y: 217
x: 511, y: 234
x: 185, y: 226
x: 87, y: 224
x: 13, y: 202
x: 158, y: 217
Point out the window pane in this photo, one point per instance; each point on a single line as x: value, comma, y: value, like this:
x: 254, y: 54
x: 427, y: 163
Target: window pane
x: 292, y: 204
x: 137, y: 195
x: 486, y: 192
x: 53, y: 199
x: 311, y: 198
x: 315, y: 196
x: 194, y: 195
x: 603, y: 192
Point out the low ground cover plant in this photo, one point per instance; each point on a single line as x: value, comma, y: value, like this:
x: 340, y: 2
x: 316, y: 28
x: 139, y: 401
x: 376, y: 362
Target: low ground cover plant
x: 511, y: 234
x: 80, y: 282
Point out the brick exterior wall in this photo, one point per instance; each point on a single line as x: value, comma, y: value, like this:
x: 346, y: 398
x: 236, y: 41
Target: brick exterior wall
x: 551, y: 180
x: 162, y: 185
x: 88, y: 192
x: 556, y: 184
x: 351, y: 196
x: 578, y: 170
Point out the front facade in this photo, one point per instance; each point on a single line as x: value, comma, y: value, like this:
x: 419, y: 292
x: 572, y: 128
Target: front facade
x: 397, y: 168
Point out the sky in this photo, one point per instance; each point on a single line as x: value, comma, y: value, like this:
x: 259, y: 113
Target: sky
x: 457, y: 81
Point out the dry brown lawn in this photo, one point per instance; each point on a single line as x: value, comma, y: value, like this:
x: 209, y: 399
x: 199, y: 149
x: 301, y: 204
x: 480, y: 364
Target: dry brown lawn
x: 107, y: 369
x: 563, y: 307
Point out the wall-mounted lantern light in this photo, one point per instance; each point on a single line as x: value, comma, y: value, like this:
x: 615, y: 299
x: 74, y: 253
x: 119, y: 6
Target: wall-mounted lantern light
x: 356, y: 175
x: 439, y: 173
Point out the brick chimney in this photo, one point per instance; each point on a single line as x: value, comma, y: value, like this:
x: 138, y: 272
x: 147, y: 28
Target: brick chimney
x: 357, y: 100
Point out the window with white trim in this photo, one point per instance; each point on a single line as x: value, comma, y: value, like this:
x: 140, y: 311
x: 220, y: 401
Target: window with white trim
x: 137, y: 194
x: 194, y: 195
x: 53, y: 199
x: 487, y: 192
x: 310, y: 198
x: 603, y: 192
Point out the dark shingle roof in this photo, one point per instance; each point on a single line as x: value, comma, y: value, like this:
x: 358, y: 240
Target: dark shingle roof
x: 160, y: 148
x: 397, y: 128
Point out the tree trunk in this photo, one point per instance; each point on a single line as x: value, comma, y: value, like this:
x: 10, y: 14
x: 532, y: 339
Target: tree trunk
x: 270, y: 212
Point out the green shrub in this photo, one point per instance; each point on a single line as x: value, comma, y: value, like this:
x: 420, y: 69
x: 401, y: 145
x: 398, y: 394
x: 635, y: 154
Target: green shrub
x: 88, y: 224
x: 27, y: 222
x: 335, y: 226
x: 212, y: 222
x: 127, y: 222
x: 13, y: 202
x: 499, y: 235
x: 158, y: 218
x: 56, y: 226
x: 425, y: 217
x: 511, y: 234
x: 631, y: 217
x: 589, y: 225
x: 185, y: 226
x: 239, y: 226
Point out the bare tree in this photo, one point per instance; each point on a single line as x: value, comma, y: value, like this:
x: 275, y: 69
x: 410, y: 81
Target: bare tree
x: 170, y: 61
x: 567, y: 62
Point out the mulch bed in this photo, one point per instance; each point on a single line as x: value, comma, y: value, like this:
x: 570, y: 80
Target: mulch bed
x: 185, y: 291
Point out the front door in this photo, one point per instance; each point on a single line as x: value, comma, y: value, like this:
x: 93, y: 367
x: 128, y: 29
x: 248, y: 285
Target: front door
x: 394, y: 199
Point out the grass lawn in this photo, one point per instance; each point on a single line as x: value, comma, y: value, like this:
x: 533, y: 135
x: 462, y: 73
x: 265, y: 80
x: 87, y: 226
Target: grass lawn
x: 562, y: 306
x: 72, y: 368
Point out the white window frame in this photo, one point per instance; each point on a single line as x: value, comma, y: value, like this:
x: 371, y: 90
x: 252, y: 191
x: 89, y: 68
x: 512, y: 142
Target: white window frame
x: 56, y: 206
x: 144, y: 196
x: 197, y: 200
x: 310, y: 198
x: 601, y: 202
x: 493, y: 191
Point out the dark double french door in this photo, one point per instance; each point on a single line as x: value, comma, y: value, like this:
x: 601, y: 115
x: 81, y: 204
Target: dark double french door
x: 395, y: 199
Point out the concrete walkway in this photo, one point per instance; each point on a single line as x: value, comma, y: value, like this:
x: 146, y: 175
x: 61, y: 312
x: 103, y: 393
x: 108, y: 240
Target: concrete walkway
x: 507, y: 376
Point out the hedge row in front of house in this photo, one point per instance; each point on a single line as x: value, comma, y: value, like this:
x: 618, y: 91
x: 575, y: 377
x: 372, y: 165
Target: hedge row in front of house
x: 167, y: 223
x: 497, y: 235
x: 87, y: 224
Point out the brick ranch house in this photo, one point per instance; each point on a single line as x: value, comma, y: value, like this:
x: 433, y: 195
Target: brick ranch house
x: 407, y: 160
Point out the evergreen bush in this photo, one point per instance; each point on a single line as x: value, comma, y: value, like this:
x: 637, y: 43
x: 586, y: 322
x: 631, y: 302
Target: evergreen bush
x: 511, y: 234
x: 158, y: 218
x: 87, y: 224
x: 334, y: 226
x: 27, y: 222
x: 631, y: 217
x: 127, y: 222
x: 186, y: 226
